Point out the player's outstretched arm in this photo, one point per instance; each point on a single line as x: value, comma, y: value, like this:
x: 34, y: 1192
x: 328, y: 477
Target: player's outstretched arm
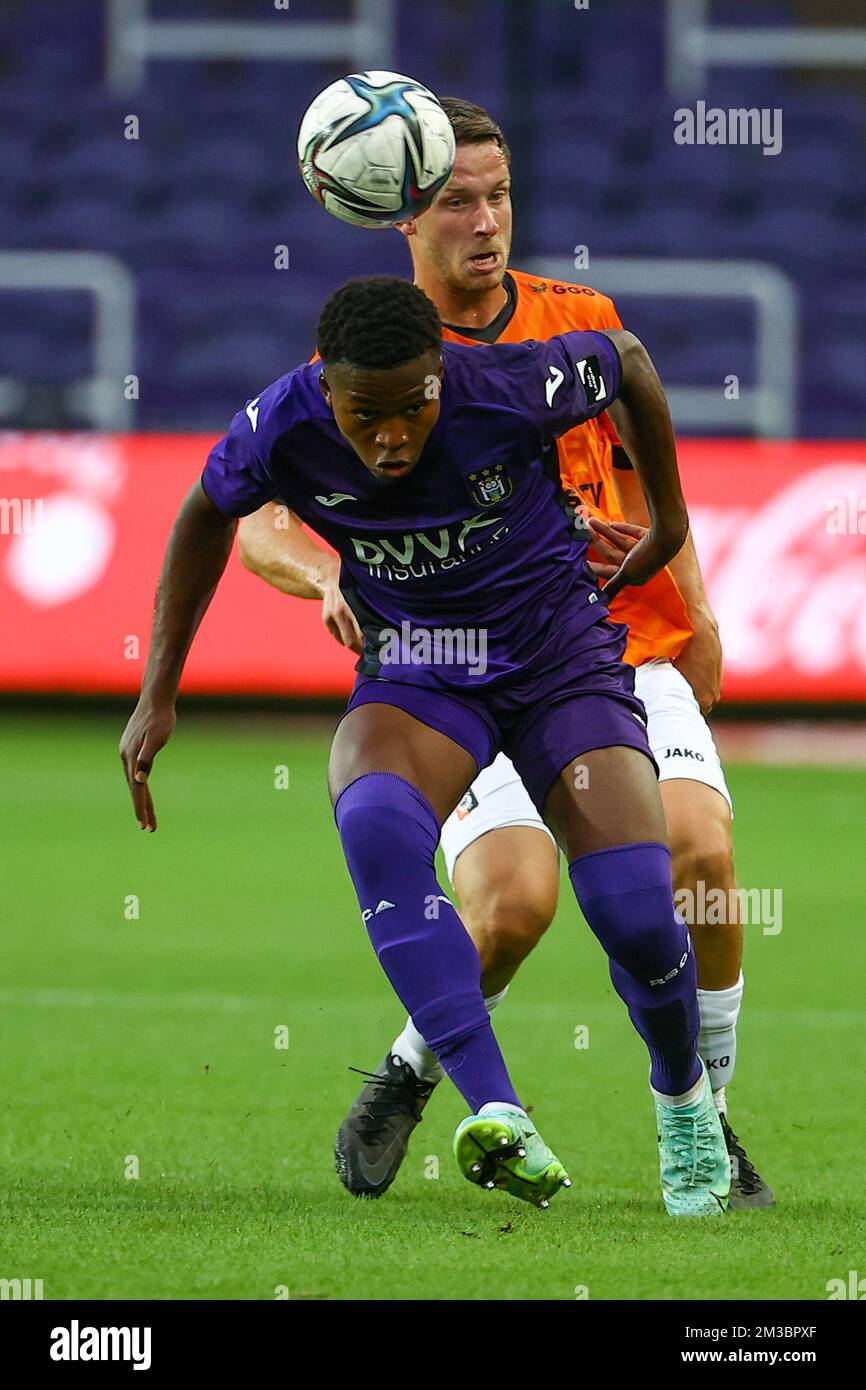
x: 287, y: 557
x: 700, y: 661
x: 195, y: 557
x: 643, y: 422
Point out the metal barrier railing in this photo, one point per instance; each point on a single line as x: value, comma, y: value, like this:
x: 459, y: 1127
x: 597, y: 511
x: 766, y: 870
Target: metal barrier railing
x: 364, y: 41
x: 768, y: 408
x: 693, y: 45
x: 103, y: 396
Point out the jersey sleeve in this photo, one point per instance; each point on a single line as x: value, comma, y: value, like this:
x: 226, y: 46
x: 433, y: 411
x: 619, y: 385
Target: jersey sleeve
x: 571, y: 378
x: 237, y: 476
x: 606, y: 315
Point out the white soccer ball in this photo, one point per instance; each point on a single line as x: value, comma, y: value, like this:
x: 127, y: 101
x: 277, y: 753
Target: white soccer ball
x: 375, y: 148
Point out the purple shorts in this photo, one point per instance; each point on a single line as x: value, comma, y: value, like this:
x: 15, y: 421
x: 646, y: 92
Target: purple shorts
x: 578, y: 695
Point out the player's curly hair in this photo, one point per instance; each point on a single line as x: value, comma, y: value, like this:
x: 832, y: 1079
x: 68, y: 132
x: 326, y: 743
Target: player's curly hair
x: 378, y: 322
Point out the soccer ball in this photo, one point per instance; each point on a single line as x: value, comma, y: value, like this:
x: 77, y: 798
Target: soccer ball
x: 375, y: 148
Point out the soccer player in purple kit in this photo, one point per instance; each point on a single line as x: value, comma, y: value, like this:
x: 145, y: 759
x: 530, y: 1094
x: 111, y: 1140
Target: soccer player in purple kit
x: 428, y: 468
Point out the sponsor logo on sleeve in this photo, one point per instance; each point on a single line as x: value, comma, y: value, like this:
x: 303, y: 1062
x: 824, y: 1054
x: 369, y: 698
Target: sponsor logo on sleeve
x: 593, y: 382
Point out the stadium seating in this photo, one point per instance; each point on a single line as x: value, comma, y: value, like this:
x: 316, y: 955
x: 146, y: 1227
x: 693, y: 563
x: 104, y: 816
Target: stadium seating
x: 196, y: 206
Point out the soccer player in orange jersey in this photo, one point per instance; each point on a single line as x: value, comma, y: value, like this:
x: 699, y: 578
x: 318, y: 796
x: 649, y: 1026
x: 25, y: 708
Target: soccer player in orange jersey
x: 500, y: 855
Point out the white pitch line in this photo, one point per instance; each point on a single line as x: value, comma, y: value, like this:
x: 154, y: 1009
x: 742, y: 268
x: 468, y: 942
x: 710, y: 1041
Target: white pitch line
x: 109, y: 999
x: 236, y: 1004
x: 818, y: 1018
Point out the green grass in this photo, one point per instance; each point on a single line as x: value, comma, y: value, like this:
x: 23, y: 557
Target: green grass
x: 154, y: 1038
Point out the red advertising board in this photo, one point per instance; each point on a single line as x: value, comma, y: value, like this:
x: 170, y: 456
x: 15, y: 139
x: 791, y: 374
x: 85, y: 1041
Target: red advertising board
x: 780, y: 529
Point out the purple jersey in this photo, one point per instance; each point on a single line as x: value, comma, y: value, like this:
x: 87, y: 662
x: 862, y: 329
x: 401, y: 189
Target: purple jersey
x: 473, y: 546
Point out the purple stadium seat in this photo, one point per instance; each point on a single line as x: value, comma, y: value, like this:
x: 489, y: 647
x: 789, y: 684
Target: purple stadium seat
x: 29, y: 354
x: 103, y: 163
x: 196, y: 206
x: 90, y: 221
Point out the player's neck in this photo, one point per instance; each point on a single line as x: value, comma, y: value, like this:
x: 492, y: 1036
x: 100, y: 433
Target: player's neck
x: 465, y: 309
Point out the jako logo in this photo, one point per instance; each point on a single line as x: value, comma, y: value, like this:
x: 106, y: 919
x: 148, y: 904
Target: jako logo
x: 76, y: 1343
x: 684, y: 753
x: 856, y: 1287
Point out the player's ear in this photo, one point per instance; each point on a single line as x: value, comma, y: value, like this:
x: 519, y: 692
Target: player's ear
x: 324, y: 387
x: 408, y: 228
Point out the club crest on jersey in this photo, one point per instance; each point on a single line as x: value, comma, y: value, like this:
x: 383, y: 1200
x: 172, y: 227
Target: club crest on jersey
x: 489, y: 486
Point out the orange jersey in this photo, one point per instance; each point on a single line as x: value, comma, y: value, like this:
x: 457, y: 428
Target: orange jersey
x: 656, y: 613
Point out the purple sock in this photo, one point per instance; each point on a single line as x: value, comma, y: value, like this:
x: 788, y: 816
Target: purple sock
x: 626, y: 897
x: 390, y: 833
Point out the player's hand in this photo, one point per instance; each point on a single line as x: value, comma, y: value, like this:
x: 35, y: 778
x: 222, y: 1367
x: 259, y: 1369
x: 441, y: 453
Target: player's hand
x: 700, y: 661
x: 338, y: 616
x: 150, y: 727
x: 612, y: 542
x: 647, y: 554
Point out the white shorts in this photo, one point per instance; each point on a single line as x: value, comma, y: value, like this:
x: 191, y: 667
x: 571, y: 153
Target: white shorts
x: 679, y: 737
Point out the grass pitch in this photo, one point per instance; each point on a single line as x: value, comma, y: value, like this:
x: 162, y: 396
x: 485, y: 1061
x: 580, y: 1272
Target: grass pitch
x: 156, y: 1143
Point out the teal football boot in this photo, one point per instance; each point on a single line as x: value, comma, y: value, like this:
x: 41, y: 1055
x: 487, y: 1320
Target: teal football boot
x: 693, y: 1157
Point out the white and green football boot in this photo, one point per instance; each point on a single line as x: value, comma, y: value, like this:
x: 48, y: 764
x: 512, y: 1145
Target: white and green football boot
x: 693, y: 1157
x: 500, y: 1148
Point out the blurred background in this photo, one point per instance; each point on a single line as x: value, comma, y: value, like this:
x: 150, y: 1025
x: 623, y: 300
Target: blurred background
x: 160, y: 262
x: 191, y: 206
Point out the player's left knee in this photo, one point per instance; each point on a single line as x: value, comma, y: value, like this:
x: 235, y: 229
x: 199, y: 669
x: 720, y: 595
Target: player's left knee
x: 703, y: 852
x: 508, y: 924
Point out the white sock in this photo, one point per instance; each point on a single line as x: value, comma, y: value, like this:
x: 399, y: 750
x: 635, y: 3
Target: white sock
x: 412, y: 1048
x: 496, y: 1107
x: 687, y: 1098
x: 717, y: 1039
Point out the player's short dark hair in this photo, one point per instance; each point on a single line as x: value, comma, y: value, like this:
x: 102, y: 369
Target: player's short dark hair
x: 378, y: 322
x: 472, y: 125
